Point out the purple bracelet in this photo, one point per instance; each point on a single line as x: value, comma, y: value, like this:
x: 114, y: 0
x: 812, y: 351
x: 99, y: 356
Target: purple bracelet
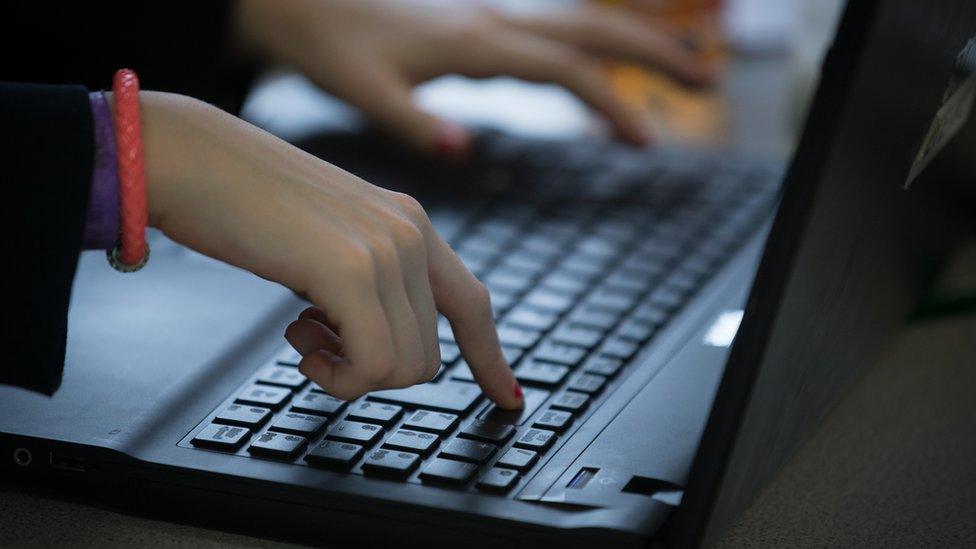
x: 102, y: 222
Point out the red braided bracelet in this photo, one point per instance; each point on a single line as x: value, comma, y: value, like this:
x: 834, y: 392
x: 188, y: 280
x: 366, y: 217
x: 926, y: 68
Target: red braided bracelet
x: 132, y: 252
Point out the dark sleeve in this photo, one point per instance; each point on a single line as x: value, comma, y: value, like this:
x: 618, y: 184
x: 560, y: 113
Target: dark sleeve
x: 46, y: 150
x: 178, y: 46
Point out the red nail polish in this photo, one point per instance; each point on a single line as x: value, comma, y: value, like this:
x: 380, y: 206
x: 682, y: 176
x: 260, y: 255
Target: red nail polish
x: 452, y: 142
x: 518, y: 390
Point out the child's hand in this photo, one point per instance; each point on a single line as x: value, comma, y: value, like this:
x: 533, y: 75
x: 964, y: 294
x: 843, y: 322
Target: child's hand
x: 372, y: 52
x: 367, y: 258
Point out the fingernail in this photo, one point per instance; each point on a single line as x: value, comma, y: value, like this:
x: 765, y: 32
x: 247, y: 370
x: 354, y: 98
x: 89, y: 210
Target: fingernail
x: 517, y: 389
x: 452, y: 142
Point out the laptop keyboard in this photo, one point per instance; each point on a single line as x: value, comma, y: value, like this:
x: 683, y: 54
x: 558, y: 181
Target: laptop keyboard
x: 582, y: 277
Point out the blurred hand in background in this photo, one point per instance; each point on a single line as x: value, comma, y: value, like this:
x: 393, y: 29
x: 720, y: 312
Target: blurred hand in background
x: 371, y: 53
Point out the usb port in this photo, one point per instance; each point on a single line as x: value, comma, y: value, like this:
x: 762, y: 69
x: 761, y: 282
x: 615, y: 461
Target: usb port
x: 67, y: 463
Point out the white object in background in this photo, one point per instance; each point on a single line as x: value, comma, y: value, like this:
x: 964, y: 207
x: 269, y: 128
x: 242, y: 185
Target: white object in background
x: 761, y: 27
x: 290, y: 106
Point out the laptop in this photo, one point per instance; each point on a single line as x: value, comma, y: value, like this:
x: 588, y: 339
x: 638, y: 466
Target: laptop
x: 680, y: 320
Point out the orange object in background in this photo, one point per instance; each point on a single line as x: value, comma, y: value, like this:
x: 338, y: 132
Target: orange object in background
x: 676, y: 113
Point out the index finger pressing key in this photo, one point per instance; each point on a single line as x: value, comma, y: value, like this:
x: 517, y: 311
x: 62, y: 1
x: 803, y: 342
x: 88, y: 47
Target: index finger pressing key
x: 466, y: 304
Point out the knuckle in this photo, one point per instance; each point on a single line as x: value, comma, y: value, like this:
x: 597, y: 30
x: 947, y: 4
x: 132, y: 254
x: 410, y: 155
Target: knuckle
x: 358, y: 262
x: 408, y: 236
x: 382, y: 250
x: 411, y: 209
x: 408, y: 204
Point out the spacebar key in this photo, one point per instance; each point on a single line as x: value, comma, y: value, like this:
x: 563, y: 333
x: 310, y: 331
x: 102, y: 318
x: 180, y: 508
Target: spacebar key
x: 450, y: 396
x: 533, y: 399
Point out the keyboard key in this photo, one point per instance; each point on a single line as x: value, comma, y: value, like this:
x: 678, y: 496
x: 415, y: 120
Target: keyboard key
x: 595, y: 245
x: 585, y: 266
x: 508, y: 281
x: 277, y: 445
x: 617, y: 301
x: 448, y: 471
x: 520, y: 338
x: 628, y: 281
x: 558, y: 353
x: 315, y: 402
x: 283, y: 376
x: 306, y: 425
x: 264, y: 395
x: 533, y: 319
x: 243, y: 416
x: 480, y: 244
x: 651, y: 314
x: 542, y: 373
x: 556, y: 420
x: 354, y: 431
x: 549, y: 301
x: 541, y: 245
x: 468, y: 450
x: 412, y: 441
x: 618, y: 348
x: 372, y: 412
x: 565, y: 282
x: 662, y: 247
x: 683, y: 282
x: 526, y: 261
x: 391, y: 463
x: 221, y: 437
x: 434, y: 422
x: 571, y: 402
x: 648, y: 266
x: 476, y: 262
x: 635, y: 330
x: 618, y: 230
x: 587, y: 383
x: 462, y: 372
x: 498, y: 229
x: 532, y: 398
x: 487, y: 431
x: 451, y: 396
x: 518, y: 459
x: 666, y: 298
x: 498, y: 480
x: 501, y: 303
x: 335, y: 454
x: 289, y: 356
x: 537, y: 440
x: 577, y: 336
x: 449, y: 353
x: 594, y: 318
x: 603, y: 365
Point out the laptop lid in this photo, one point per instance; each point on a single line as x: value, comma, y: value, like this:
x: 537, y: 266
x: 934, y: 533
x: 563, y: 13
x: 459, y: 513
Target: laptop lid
x: 861, y: 225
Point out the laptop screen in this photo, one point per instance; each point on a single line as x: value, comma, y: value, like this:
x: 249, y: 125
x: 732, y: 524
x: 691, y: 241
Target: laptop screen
x: 860, y: 227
